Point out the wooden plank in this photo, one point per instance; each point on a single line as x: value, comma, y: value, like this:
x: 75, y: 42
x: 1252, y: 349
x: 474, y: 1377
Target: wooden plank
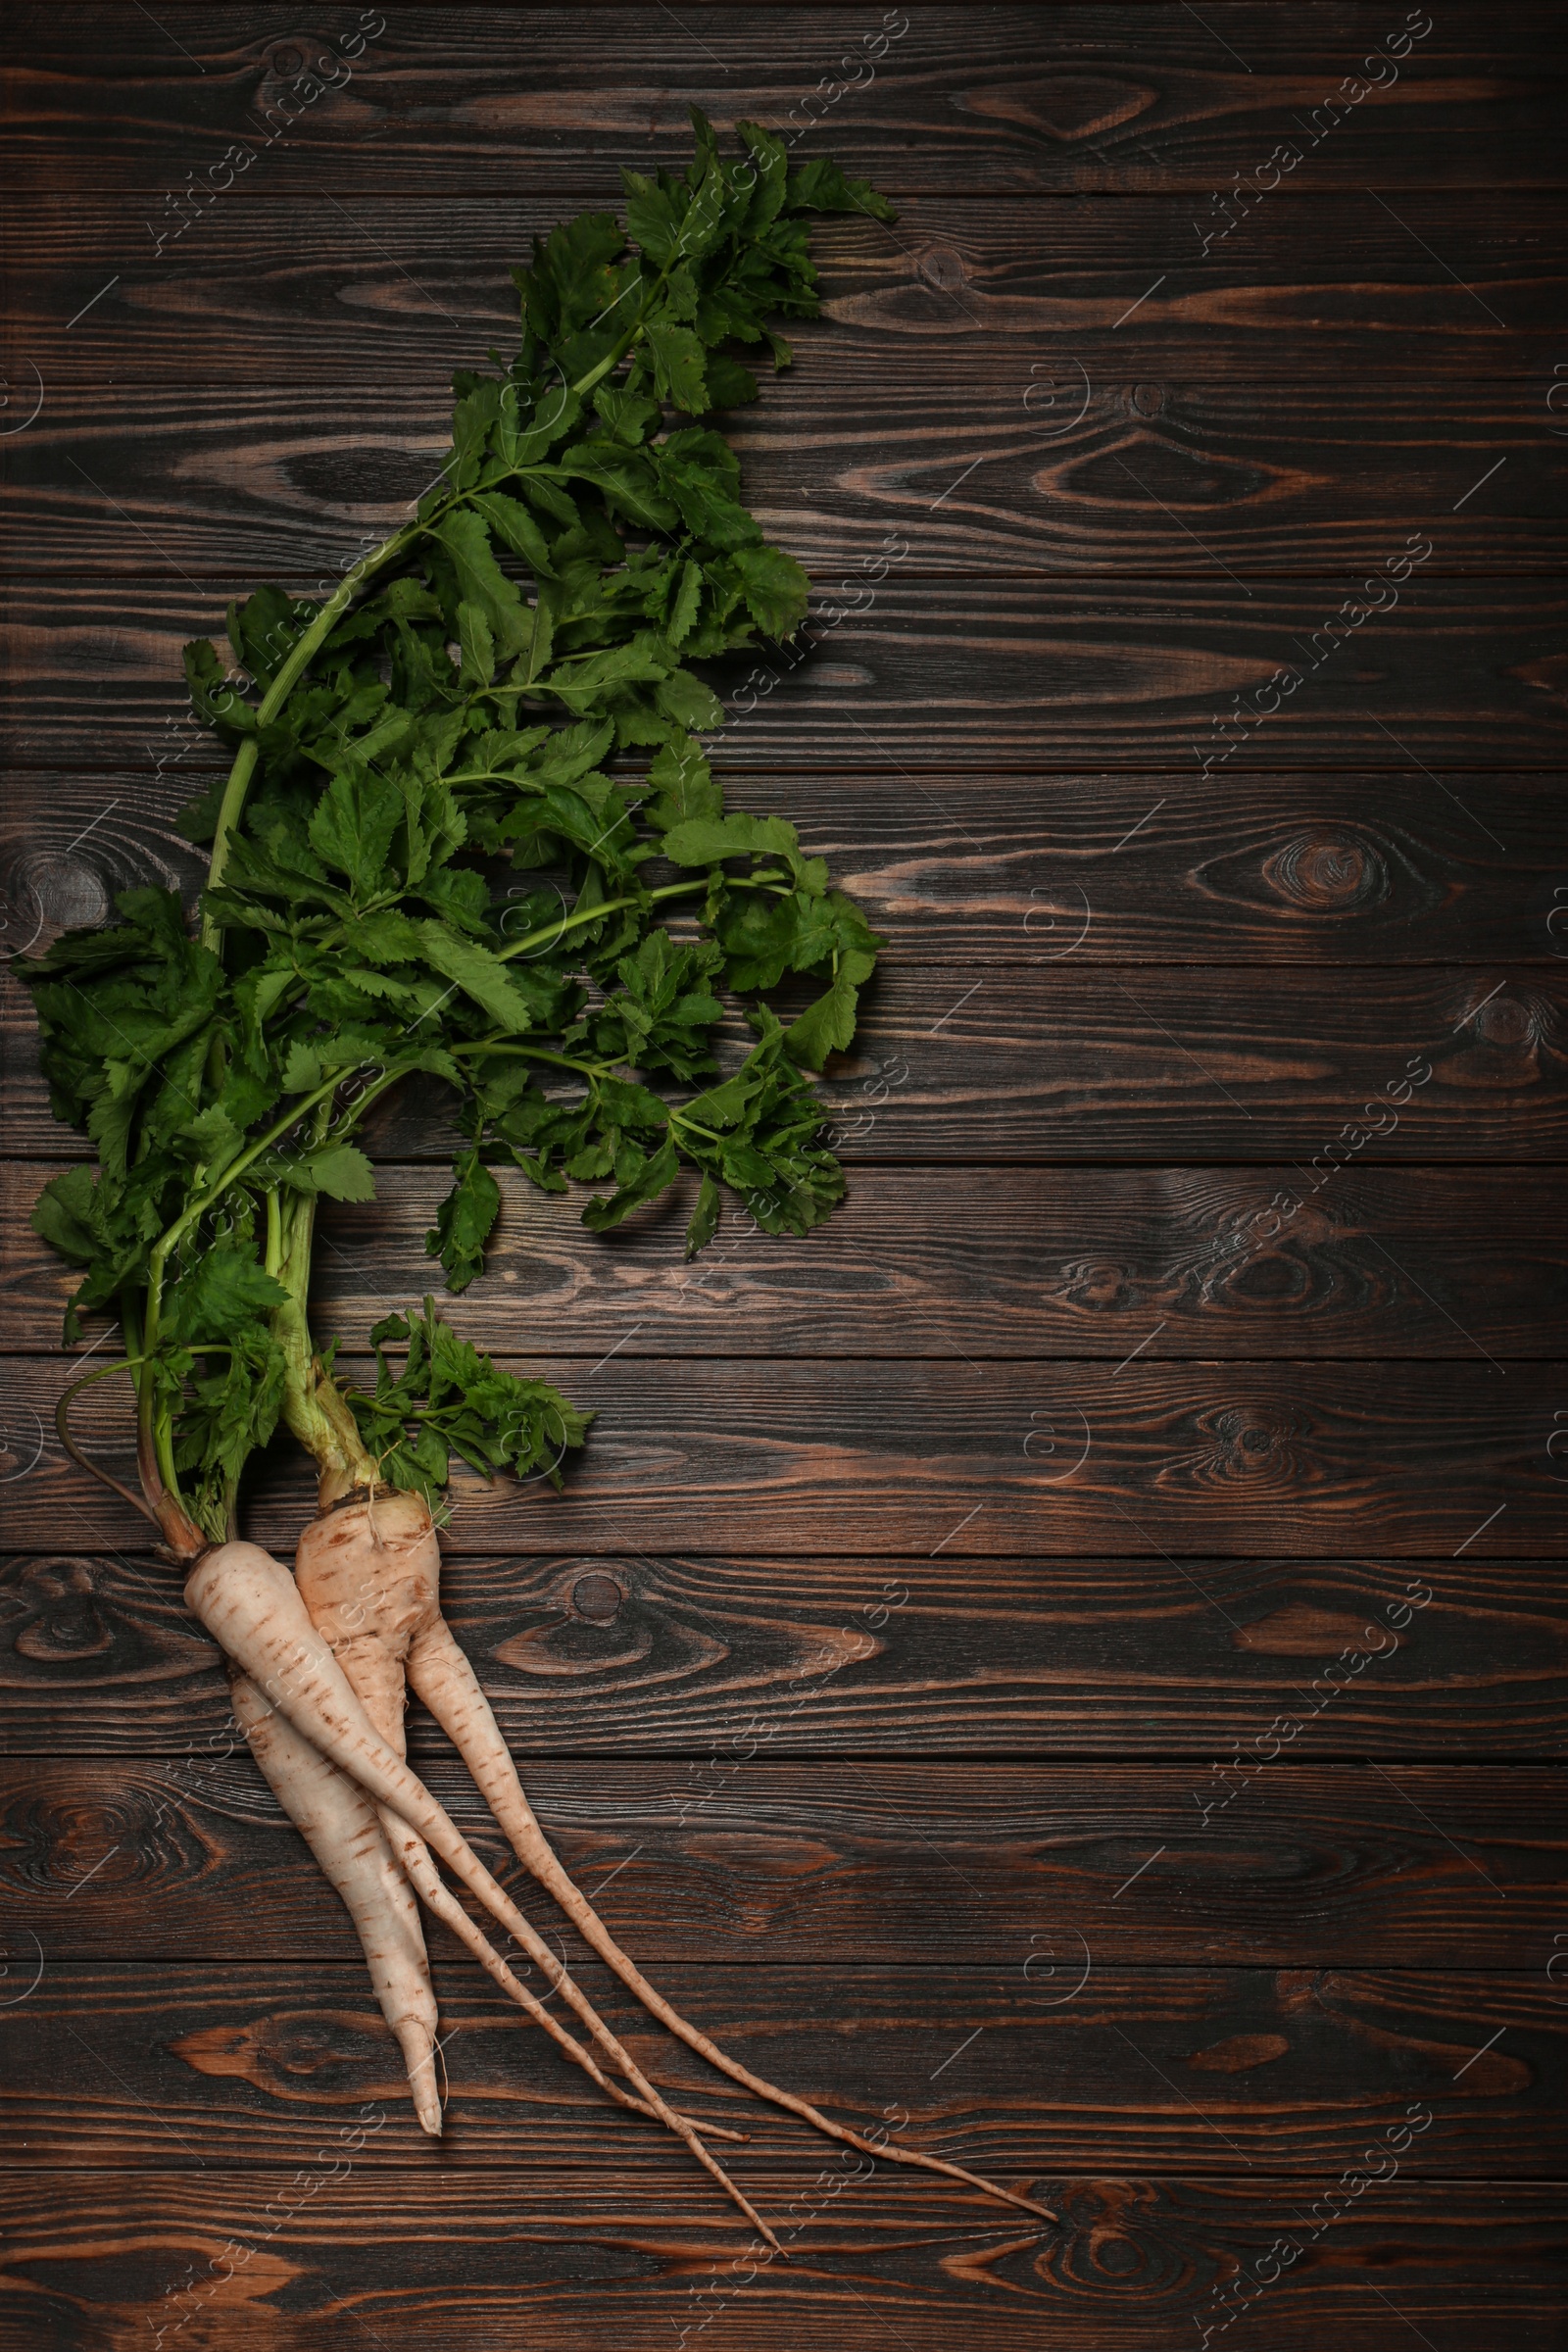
x: 850, y: 466
x: 729, y: 1856
x: 1060, y: 1063
x: 825, y: 1458
x: 395, y: 289
x: 125, y: 2063
x: 1358, y: 868
x: 1396, y: 1263
x: 734, y: 1856
x: 960, y: 101
x: 1096, y: 1657
x: 564, y: 2256
x: 955, y: 673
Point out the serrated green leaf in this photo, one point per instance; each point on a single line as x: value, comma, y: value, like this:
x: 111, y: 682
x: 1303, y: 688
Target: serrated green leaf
x: 683, y: 697
x: 215, y: 701
x: 729, y: 384
x: 64, y: 1215
x: 341, y: 1171
x: 684, y: 603
x: 482, y: 582
x: 516, y: 529
x: 820, y: 186
x: 477, y: 644
x: 679, y: 366
x: 353, y: 825
x: 463, y: 1221
x: 705, y: 841
x: 776, y: 588
x: 478, y: 972
x: 685, y: 786
x: 825, y: 1027
x: 656, y: 1175
x: 654, y: 216
x: 705, y: 1217
x: 222, y: 1296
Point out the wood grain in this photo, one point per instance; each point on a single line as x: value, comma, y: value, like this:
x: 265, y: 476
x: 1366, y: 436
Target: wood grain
x: 386, y: 293
x: 1055, y: 1061
x: 730, y: 1857
x: 947, y: 673
x: 825, y: 1458
x: 963, y: 101
x: 562, y: 2255
x: 126, y: 2063
x: 1315, y: 870
x: 956, y: 458
x: 1388, y: 1263
x: 1120, y: 1659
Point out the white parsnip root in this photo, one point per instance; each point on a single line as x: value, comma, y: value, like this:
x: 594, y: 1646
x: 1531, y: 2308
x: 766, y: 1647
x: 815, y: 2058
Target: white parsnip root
x: 341, y: 1827
x: 368, y: 1573
x: 251, y: 1605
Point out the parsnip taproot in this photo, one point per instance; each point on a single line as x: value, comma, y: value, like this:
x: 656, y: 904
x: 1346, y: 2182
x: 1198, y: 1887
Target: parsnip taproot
x: 251, y: 1605
x: 368, y: 1572
x: 342, y: 1830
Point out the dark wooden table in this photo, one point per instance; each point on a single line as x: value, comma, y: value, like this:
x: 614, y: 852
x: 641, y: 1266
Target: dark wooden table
x: 1174, y: 1400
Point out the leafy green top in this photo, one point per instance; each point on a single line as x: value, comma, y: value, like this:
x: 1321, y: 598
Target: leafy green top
x: 448, y: 716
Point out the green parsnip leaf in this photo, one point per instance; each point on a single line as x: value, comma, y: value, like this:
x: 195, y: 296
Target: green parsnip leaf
x: 463, y: 1221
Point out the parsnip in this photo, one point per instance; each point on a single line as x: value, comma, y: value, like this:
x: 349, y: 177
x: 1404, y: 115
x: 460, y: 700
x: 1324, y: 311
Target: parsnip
x: 339, y: 1824
x: 251, y: 1605
x: 370, y: 1575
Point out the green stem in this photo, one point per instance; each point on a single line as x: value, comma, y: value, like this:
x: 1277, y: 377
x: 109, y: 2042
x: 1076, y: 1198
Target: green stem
x: 277, y: 694
x: 591, y: 914
x: 613, y: 356
x: 63, y: 1426
x: 314, y: 1406
x: 561, y: 1061
x: 666, y: 890
x: 693, y: 1127
x: 159, y: 1255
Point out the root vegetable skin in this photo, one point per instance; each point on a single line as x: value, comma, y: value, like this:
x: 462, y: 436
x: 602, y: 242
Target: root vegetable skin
x: 340, y: 1826
x: 370, y: 1575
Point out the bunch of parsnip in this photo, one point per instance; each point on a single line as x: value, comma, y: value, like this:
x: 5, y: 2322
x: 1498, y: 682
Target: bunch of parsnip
x: 440, y: 724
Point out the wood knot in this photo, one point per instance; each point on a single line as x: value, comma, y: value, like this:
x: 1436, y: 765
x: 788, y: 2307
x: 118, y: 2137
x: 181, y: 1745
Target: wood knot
x: 66, y: 1623
x: 1098, y: 1284
x: 941, y: 267
x: 1504, y: 1021
x: 1326, y: 873
x: 597, y: 1598
x: 1251, y: 1445
x: 45, y: 892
